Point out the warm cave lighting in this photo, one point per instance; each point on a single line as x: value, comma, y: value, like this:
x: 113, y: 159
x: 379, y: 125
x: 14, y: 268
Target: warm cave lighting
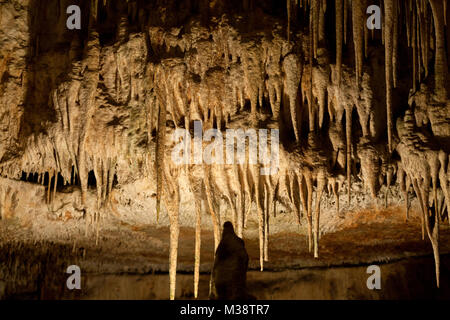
x: 249, y: 150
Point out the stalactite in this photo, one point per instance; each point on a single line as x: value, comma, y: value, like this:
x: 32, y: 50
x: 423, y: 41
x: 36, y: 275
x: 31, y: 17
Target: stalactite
x: 315, y: 10
x: 311, y: 64
x: 346, y: 3
x: 160, y: 150
x: 402, y: 176
x: 209, y: 199
x: 288, y: 4
x: 172, y: 202
x: 408, y: 22
x: 419, y: 38
x: 390, y: 10
x: 266, y: 223
x: 198, y: 231
x: 445, y: 11
x: 303, y: 191
x: 241, y: 201
x: 348, y: 133
x: 55, y: 186
x: 88, y: 92
x: 414, y: 46
x: 260, y: 211
x: 358, y: 10
x: 422, y: 205
x: 97, y: 227
x: 309, y: 186
x: 440, y: 65
x: 293, y: 73
x: 339, y: 33
x: 321, y: 182
x: 395, y: 44
x: 50, y: 177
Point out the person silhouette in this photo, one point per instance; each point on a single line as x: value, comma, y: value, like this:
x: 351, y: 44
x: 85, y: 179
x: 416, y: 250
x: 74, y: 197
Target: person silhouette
x: 229, y: 275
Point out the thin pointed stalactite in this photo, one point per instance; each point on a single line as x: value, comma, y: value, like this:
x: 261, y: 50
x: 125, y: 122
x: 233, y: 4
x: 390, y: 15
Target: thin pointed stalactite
x: 348, y: 133
x: 198, y: 231
x: 50, y: 177
x: 395, y: 45
x: 172, y: 202
x: 288, y: 5
x: 345, y: 20
x: 259, y: 210
x: 389, y: 175
x: 402, y: 178
x: 266, y: 223
x: 209, y: 197
x: 390, y: 9
x: 302, y: 191
x: 339, y: 34
x: 315, y: 10
x: 433, y: 234
x: 358, y: 21
x: 55, y: 186
x: 311, y: 64
x: 440, y: 64
x: 422, y: 205
x: 97, y: 227
x: 414, y: 46
x: 309, y: 186
x: 160, y: 150
x: 320, y: 187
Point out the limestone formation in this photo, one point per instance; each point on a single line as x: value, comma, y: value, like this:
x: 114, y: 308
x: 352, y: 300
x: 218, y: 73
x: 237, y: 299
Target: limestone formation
x: 95, y: 110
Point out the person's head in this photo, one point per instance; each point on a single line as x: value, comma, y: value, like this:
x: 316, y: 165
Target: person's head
x: 228, y: 227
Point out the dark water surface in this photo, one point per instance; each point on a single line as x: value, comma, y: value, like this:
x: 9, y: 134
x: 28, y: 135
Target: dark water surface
x: 411, y: 278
